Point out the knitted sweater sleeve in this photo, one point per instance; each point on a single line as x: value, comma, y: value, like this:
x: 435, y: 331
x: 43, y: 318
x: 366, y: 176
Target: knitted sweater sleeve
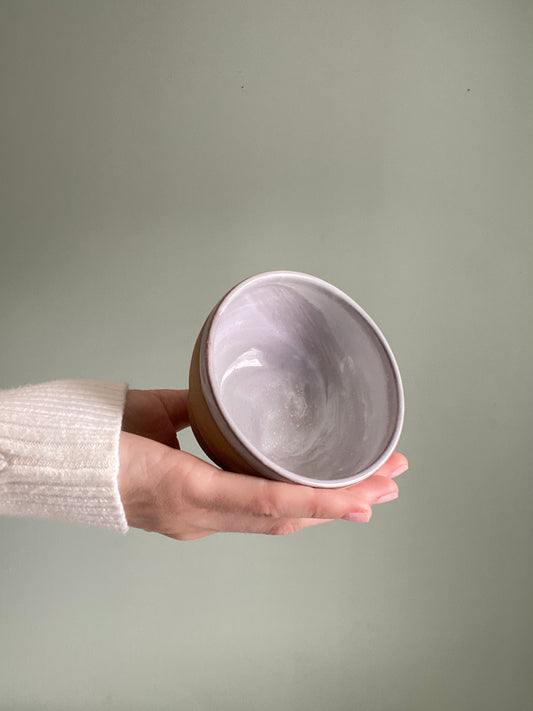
x: 59, y: 452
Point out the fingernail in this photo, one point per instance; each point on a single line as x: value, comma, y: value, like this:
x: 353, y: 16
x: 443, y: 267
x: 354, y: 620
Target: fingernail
x: 357, y: 517
x: 399, y: 471
x: 387, y: 497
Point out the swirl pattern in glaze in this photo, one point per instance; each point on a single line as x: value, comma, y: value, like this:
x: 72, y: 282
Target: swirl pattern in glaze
x: 287, y: 367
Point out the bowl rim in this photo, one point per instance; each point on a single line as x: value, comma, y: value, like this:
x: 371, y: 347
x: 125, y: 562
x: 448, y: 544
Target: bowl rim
x: 223, y: 418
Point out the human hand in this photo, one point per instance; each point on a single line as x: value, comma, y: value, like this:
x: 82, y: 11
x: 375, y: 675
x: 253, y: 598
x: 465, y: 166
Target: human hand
x: 171, y: 492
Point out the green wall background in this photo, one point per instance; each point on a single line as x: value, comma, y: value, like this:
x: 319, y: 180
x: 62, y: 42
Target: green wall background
x: 155, y: 153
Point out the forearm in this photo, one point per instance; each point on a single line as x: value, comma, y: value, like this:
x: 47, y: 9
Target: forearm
x: 59, y: 451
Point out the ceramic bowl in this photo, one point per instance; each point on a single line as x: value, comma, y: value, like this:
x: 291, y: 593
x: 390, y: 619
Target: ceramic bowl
x: 290, y: 379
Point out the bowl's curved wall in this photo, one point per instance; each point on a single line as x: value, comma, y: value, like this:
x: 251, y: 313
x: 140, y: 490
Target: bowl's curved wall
x: 302, y: 377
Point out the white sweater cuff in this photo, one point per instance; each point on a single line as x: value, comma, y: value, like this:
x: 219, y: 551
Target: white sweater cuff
x: 59, y: 452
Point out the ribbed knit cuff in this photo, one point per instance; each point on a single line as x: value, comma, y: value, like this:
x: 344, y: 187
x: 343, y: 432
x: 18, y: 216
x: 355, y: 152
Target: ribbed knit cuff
x: 59, y: 452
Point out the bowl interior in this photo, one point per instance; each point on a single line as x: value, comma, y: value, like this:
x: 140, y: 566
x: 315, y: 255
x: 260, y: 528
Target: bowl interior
x: 302, y: 378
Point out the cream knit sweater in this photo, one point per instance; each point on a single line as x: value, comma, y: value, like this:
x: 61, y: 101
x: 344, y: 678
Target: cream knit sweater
x: 59, y: 451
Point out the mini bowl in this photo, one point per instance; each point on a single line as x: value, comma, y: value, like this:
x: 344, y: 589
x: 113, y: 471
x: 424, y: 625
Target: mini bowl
x: 291, y: 380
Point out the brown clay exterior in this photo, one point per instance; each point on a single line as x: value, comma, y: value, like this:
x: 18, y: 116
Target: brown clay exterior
x: 205, y: 429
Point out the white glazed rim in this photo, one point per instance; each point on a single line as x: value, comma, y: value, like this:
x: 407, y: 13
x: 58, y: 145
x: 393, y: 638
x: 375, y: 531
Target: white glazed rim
x: 227, y: 425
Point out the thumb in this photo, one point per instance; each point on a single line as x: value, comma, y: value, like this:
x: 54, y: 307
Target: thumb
x: 175, y: 403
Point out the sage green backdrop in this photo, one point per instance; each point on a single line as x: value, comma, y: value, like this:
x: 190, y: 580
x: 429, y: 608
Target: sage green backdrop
x: 153, y: 154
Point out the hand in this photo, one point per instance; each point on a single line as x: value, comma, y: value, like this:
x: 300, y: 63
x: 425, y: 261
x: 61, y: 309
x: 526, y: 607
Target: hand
x: 174, y: 493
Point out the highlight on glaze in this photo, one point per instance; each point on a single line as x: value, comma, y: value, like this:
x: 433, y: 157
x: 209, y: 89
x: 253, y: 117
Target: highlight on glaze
x: 301, y: 376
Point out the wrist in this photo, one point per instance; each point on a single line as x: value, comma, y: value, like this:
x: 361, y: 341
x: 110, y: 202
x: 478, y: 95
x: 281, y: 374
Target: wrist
x: 137, y: 481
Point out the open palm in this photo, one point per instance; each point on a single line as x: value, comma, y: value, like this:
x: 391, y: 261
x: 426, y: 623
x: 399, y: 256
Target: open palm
x: 172, y: 492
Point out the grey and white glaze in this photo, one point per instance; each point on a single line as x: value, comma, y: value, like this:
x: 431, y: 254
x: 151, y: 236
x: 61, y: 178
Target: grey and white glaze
x: 303, y: 378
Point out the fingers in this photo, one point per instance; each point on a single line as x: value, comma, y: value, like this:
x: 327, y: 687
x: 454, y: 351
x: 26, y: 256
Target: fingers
x: 395, y: 465
x: 195, y: 499
x: 271, y: 527
x: 375, y: 487
x: 175, y: 403
x: 235, y: 500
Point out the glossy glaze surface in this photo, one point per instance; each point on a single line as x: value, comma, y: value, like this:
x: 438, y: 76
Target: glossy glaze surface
x: 301, y: 377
